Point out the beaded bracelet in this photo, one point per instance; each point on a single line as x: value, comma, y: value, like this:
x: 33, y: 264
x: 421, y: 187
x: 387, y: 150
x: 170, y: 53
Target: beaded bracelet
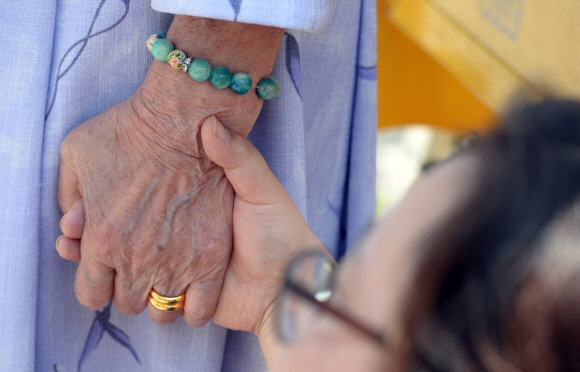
x: 200, y: 70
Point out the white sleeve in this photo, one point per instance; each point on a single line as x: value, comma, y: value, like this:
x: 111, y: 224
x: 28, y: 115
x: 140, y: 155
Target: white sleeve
x: 306, y: 15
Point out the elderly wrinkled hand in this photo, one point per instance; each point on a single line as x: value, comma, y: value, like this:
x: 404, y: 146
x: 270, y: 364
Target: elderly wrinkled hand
x: 268, y: 233
x: 145, y: 208
x: 157, y: 215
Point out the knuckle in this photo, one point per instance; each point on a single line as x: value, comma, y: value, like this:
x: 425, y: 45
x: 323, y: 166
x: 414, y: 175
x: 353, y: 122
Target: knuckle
x: 140, y: 271
x: 68, y: 144
x: 177, y: 268
x: 93, y: 273
x: 249, y: 151
x: 99, y: 244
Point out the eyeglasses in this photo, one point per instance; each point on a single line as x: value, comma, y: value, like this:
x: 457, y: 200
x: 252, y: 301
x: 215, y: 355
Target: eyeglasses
x: 308, y: 287
x: 309, y: 283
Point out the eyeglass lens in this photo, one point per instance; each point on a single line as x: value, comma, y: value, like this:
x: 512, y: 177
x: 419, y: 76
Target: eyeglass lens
x: 313, y: 273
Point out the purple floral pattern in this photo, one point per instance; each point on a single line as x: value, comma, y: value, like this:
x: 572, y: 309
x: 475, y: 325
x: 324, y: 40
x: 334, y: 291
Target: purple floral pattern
x: 236, y: 5
x: 100, y: 326
x: 82, y: 43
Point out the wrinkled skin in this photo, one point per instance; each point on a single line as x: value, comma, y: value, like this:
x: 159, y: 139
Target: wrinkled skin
x: 269, y: 232
x: 155, y: 216
x: 158, y: 212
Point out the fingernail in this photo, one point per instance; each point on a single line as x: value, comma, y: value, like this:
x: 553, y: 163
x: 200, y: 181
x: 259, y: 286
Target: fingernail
x: 60, y: 225
x: 57, y: 240
x: 220, y: 131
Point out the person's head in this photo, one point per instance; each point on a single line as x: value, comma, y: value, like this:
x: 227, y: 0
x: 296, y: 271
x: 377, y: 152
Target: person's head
x: 477, y: 269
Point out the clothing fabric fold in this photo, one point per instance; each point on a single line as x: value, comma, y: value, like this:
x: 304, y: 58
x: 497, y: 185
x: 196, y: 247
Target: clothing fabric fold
x: 306, y: 15
x: 24, y: 79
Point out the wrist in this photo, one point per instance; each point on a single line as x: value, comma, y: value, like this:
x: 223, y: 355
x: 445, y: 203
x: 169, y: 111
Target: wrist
x: 241, y: 47
x: 173, y: 96
x: 271, y: 345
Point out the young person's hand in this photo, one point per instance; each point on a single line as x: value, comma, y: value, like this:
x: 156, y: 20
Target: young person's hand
x: 269, y: 232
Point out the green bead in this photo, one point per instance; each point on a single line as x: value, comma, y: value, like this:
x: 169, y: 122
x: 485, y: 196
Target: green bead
x: 199, y: 70
x: 241, y: 83
x: 161, y: 49
x: 268, y: 88
x: 220, y: 77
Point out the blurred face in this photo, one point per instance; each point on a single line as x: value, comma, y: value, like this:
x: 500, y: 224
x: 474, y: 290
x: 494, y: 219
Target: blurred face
x: 373, y: 282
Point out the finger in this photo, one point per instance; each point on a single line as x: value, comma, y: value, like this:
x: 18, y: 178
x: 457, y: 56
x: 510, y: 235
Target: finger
x: 130, y: 296
x: 93, y: 283
x: 243, y: 165
x: 68, y: 182
x: 69, y: 249
x: 201, y: 302
x: 73, y: 222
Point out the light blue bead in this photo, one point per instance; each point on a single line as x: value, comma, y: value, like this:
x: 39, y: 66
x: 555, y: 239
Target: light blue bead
x: 268, y: 88
x: 241, y: 83
x: 220, y: 77
x: 199, y: 70
x: 161, y: 49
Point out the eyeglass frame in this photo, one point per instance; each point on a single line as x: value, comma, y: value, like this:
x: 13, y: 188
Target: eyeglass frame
x: 378, y: 337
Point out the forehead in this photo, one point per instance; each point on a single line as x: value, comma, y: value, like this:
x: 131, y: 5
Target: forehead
x: 371, y: 284
x: 442, y: 191
x: 378, y: 274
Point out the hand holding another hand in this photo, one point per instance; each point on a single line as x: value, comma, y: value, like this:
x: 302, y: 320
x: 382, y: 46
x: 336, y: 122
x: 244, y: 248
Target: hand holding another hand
x: 156, y: 216
x: 268, y: 233
x: 148, y: 204
x: 157, y: 211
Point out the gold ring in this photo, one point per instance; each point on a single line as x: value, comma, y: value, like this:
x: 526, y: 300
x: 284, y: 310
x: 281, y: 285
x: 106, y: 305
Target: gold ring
x: 166, y: 303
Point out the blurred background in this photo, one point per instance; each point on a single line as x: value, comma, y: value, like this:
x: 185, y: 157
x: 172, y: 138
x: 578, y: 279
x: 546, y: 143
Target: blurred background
x: 450, y: 68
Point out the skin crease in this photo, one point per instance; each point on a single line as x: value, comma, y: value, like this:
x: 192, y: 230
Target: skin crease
x: 157, y: 212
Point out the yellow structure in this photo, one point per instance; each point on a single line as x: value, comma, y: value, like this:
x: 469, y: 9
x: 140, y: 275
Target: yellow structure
x: 414, y: 88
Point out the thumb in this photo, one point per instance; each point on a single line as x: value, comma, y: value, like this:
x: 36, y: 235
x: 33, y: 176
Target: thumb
x: 68, y: 182
x: 243, y: 165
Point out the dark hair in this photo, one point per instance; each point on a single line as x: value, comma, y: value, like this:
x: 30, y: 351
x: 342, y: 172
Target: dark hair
x: 474, y: 268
